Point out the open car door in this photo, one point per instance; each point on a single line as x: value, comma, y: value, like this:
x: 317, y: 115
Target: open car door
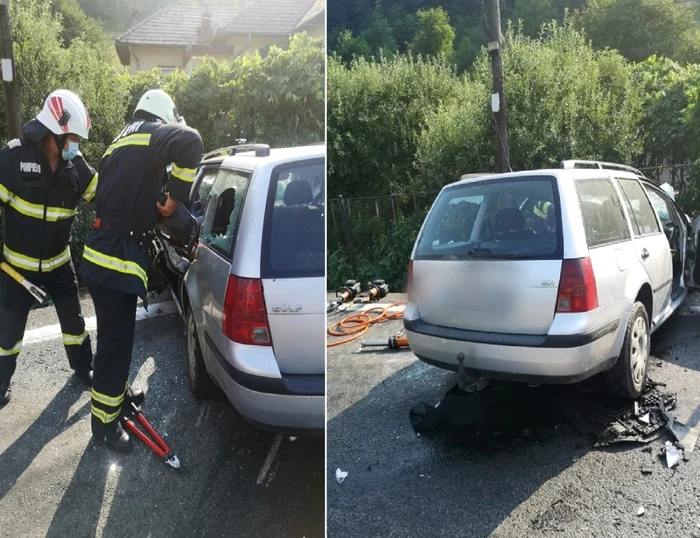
x: 172, y: 252
x: 692, y: 268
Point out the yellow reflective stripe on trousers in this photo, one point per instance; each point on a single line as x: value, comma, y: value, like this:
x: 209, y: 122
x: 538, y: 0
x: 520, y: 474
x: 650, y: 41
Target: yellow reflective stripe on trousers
x: 13, y: 351
x: 139, y: 139
x: 184, y: 174
x: 107, y: 400
x: 36, y: 211
x: 5, y: 195
x: 73, y: 340
x: 91, y: 190
x: 106, y: 418
x: 115, y: 264
x: 32, y: 264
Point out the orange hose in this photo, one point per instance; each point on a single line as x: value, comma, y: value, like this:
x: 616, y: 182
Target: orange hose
x: 355, y: 325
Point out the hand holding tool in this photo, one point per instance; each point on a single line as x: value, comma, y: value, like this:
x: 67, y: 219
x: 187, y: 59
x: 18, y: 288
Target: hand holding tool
x: 36, y: 292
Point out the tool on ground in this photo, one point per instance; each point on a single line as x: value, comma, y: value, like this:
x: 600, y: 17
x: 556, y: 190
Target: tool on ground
x: 394, y: 342
x: 378, y: 289
x: 354, y: 326
x: 346, y: 294
x: 133, y: 413
x: 37, y: 293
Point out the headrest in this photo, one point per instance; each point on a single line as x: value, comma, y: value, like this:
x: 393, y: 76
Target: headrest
x: 297, y: 193
x: 509, y: 220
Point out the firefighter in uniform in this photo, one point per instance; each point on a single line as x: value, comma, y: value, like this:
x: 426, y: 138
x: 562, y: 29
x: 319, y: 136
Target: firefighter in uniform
x: 42, y: 178
x: 115, y: 261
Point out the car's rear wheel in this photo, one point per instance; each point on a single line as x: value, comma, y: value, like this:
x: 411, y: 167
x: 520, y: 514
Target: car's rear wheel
x: 629, y: 375
x: 201, y: 385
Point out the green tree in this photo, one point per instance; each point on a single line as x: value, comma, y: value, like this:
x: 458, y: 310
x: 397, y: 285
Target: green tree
x: 348, y: 47
x: 379, y: 35
x: 466, y: 53
x: 376, y: 112
x: 435, y: 36
x: 77, y: 25
x: 566, y: 100
x: 532, y: 14
x: 639, y: 29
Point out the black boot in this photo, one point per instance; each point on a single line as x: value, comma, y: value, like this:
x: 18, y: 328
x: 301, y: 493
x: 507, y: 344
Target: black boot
x: 85, y: 376
x: 4, y: 394
x: 112, y: 435
x: 136, y: 396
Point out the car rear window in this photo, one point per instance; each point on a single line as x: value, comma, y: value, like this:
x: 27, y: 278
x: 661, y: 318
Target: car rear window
x: 509, y: 218
x: 294, y: 236
x: 603, y: 217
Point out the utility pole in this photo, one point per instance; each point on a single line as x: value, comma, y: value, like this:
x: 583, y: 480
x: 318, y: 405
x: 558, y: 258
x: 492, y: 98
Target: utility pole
x: 9, y: 78
x: 498, y: 99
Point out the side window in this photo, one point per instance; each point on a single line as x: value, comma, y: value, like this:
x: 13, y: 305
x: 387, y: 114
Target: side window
x: 203, y: 190
x: 603, y: 217
x: 294, y: 240
x: 662, y: 206
x: 641, y: 213
x: 223, y: 210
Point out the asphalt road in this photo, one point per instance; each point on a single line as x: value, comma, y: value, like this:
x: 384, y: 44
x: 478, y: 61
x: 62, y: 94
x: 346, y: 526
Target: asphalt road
x: 547, y: 482
x: 236, y: 480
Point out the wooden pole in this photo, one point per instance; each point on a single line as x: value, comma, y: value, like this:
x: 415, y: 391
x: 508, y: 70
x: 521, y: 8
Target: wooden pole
x: 9, y: 72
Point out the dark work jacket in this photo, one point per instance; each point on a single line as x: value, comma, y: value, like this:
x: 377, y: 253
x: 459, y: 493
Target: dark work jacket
x: 132, y: 175
x: 40, y: 205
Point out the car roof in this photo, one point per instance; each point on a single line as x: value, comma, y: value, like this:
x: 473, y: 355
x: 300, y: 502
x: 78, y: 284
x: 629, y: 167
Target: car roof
x: 247, y: 160
x: 559, y: 173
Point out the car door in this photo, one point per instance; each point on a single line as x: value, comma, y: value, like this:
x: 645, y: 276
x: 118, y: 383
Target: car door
x: 196, y: 286
x: 650, y: 242
x: 217, y: 244
x: 676, y: 232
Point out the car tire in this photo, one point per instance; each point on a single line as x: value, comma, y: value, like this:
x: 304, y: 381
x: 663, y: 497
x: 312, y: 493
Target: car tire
x: 201, y: 385
x: 628, y: 377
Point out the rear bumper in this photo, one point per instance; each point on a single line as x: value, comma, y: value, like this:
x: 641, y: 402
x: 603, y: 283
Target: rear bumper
x: 528, y: 358
x: 289, y: 404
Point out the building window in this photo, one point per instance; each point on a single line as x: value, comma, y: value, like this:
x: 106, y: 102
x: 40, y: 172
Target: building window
x: 167, y: 69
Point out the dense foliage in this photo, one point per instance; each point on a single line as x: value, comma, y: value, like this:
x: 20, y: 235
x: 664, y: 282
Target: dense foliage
x: 407, y: 125
x: 636, y: 28
x: 276, y: 99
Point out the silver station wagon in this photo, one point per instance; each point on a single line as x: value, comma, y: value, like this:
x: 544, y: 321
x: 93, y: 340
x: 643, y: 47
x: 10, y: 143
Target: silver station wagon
x: 253, y: 297
x: 549, y: 276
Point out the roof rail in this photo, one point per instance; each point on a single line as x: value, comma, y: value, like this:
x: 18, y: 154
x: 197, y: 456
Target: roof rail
x: 574, y: 163
x: 261, y: 150
x: 473, y: 176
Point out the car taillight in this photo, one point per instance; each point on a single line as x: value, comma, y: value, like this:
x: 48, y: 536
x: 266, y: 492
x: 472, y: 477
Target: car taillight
x: 245, y: 317
x: 577, y: 288
x: 409, y: 281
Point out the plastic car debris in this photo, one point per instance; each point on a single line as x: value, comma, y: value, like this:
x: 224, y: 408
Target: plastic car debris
x: 673, y: 456
x: 647, y: 469
x: 687, y: 437
x: 340, y: 476
x: 641, y: 511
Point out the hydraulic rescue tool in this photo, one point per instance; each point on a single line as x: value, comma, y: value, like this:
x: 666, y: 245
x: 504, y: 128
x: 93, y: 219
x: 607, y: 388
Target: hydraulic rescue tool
x: 37, y: 293
x: 394, y: 342
x: 378, y: 289
x: 346, y: 294
x: 130, y: 416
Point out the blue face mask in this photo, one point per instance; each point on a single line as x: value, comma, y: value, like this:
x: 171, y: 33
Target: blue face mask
x: 72, y: 151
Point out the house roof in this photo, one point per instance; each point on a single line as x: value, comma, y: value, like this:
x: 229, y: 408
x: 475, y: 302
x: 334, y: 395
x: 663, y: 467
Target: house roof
x: 317, y: 9
x: 177, y: 26
x: 276, y: 17
x: 180, y: 25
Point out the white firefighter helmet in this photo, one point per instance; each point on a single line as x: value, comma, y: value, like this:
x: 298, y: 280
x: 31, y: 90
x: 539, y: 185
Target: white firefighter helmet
x: 668, y: 189
x: 159, y: 104
x: 64, y: 113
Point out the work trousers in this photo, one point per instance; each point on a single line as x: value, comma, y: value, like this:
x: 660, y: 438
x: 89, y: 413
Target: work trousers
x: 15, y: 304
x: 116, y: 322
